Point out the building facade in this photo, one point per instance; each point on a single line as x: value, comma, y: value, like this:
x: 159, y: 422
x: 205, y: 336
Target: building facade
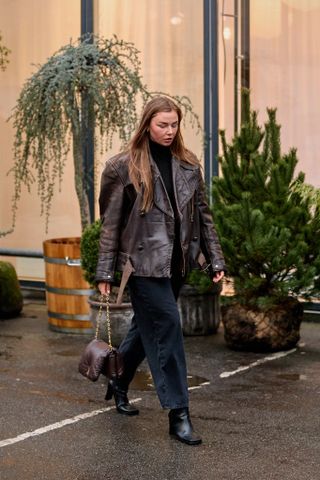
x: 206, y: 50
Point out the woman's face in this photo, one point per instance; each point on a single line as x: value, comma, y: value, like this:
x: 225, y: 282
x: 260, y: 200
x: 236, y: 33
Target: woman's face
x: 163, y: 127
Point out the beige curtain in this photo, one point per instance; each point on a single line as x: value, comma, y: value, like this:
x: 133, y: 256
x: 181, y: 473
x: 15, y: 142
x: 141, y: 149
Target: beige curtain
x: 285, y: 71
x: 169, y: 35
x: 226, y: 67
x: 33, y: 30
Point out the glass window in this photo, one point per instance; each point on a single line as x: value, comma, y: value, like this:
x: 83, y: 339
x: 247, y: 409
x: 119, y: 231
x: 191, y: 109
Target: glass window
x: 169, y: 35
x: 285, y: 70
x: 33, y: 30
x: 228, y: 78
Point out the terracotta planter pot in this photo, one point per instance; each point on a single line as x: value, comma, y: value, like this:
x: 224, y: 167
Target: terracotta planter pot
x: 258, y: 331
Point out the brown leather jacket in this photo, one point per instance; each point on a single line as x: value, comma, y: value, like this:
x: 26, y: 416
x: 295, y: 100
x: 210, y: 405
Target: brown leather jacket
x: 139, y: 243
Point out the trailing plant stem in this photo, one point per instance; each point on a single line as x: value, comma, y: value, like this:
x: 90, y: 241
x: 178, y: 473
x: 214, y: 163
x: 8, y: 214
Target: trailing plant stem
x: 79, y: 176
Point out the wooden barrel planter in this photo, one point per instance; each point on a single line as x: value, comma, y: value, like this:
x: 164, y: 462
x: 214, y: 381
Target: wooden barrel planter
x: 66, y: 290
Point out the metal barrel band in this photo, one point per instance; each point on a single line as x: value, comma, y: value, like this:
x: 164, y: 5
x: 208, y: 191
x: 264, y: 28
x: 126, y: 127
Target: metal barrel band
x: 70, y: 291
x: 71, y: 262
x: 69, y: 316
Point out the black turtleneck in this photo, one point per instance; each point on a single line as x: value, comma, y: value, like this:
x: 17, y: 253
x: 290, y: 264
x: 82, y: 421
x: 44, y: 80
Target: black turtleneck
x: 163, y: 158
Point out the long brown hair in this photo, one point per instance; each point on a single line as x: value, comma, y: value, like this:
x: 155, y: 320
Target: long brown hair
x: 139, y: 163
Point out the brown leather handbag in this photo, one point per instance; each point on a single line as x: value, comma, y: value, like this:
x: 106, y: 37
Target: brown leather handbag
x: 100, y: 357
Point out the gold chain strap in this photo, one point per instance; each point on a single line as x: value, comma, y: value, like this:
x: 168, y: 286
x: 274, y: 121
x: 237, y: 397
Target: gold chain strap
x: 104, y: 299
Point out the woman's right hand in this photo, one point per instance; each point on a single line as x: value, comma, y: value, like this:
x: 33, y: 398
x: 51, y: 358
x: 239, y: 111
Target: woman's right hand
x: 104, y: 288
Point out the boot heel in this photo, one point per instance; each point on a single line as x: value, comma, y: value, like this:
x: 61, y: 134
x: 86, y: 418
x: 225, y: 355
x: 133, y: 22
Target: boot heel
x: 180, y: 427
x: 109, y: 393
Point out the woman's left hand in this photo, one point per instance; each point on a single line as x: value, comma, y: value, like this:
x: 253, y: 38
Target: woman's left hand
x: 218, y: 276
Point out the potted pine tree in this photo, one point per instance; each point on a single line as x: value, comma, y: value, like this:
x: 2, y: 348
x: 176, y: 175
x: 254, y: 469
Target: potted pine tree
x: 269, y: 233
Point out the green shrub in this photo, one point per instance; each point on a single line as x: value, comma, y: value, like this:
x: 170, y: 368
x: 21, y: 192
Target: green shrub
x: 202, y: 282
x: 11, y: 301
x: 89, y: 250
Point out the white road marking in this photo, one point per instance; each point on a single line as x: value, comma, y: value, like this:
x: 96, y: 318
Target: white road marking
x: 55, y: 426
x: 199, y: 386
x: 274, y: 356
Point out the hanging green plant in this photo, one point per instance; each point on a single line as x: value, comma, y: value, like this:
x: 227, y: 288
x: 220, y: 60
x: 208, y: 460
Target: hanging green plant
x: 4, y: 54
x: 94, y: 83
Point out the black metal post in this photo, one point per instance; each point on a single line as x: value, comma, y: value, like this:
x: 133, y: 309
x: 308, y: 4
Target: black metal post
x: 86, y: 16
x: 211, y: 93
x: 88, y: 127
x: 245, y: 43
x: 236, y: 60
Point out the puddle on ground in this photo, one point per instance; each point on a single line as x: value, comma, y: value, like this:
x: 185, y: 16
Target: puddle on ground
x: 8, y: 335
x: 143, y: 381
x: 292, y: 376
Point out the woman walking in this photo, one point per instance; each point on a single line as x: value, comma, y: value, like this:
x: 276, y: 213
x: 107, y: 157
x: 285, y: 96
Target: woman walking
x: 156, y: 226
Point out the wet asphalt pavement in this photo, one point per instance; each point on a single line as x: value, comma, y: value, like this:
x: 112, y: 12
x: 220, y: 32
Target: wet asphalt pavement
x: 259, y: 417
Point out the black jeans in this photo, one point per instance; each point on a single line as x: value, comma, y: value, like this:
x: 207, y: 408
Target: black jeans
x: 156, y: 332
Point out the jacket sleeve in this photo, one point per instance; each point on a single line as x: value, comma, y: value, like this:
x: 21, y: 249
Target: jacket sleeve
x: 111, y: 206
x: 209, y: 238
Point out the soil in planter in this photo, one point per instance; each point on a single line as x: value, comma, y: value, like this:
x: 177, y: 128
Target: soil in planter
x: 262, y: 331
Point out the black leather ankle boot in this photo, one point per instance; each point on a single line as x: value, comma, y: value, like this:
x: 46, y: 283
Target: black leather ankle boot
x: 181, y: 427
x: 120, y: 398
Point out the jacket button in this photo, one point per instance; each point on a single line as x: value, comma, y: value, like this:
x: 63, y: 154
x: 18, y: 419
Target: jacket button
x: 140, y: 247
x: 142, y: 213
x: 195, y: 238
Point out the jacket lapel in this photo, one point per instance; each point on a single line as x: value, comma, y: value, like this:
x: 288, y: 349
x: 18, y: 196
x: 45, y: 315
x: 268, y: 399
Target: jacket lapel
x: 185, y: 177
x: 160, y: 196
